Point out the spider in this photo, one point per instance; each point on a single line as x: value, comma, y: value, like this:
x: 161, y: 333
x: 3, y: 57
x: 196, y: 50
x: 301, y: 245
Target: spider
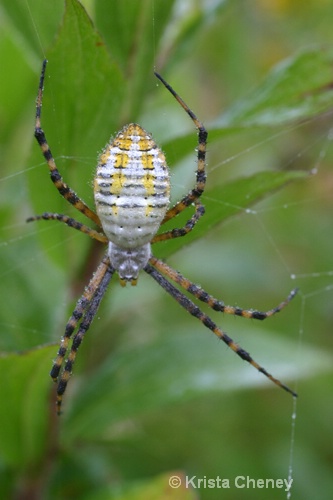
x: 132, y: 195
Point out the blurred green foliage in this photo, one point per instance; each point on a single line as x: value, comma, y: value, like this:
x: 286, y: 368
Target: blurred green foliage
x: 152, y: 392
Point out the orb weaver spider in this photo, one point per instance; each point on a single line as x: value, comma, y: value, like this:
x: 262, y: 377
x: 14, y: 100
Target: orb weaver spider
x: 132, y: 195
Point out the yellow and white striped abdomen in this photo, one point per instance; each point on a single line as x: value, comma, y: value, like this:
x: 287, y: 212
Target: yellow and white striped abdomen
x: 132, y: 188
x: 132, y: 195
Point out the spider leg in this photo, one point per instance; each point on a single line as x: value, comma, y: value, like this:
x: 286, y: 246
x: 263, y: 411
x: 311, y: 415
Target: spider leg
x: 215, y: 304
x: 56, y: 178
x: 175, y: 233
x: 199, y: 188
x: 71, y: 223
x: 80, y: 308
x: 194, y: 310
x: 86, y: 308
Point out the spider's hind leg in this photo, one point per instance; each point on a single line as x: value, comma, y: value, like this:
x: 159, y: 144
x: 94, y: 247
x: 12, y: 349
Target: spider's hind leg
x: 85, y: 309
x: 195, y: 311
x: 212, y: 302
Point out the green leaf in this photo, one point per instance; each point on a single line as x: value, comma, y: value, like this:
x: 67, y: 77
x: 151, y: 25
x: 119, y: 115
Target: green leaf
x: 137, y: 29
x: 227, y: 200
x: 177, y: 367
x: 85, y: 83
x: 25, y: 388
x: 157, y: 488
x: 297, y: 88
x: 23, y: 20
x: 83, y: 91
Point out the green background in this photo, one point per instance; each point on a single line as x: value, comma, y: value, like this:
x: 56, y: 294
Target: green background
x: 153, y: 392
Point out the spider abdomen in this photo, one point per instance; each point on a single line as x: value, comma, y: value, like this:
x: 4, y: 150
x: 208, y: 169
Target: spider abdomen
x: 132, y: 188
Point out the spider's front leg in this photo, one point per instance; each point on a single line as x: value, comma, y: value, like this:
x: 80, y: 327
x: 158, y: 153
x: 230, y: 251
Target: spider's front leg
x: 56, y: 178
x: 200, y: 184
x: 182, y: 231
x: 69, y: 221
